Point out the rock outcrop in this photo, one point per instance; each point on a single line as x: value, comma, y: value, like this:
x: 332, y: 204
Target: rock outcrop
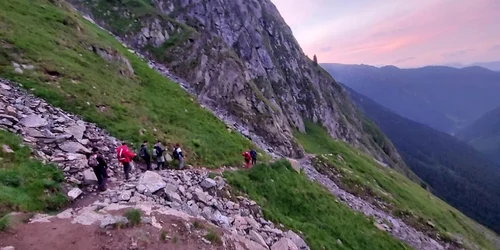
x: 241, y: 58
x: 55, y: 136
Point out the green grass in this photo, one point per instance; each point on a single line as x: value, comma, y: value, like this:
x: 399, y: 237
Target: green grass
x: 163, y: 236
x: 133, y: 216
x: 26, y: 184
x: 404, y: 198
x: 213, y: 237
x: 289, y: 198
x: 56, y: 40
x: 4, y: 222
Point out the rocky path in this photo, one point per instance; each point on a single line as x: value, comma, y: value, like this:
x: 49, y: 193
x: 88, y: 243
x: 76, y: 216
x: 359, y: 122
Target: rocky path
x: 396, y: 227
x: 62, y: 139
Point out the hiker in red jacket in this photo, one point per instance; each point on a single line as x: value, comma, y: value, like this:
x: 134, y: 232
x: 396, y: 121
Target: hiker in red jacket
x: 125, y: 156
x: 248, y: 159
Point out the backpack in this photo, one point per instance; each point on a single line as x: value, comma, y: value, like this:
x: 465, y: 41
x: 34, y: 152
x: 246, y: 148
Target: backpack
x: 175, y: 154
x: 248, y: 156
x: 142, y: 152
x: 120, y: 155
x: 93, y: 161
x: 253, y: 153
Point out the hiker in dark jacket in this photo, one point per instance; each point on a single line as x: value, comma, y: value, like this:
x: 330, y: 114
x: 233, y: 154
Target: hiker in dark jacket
x: 178, y: 155
x: 253, y: 153
x: 144, y: 154
x: 98, y: 164
x: 158, y: 152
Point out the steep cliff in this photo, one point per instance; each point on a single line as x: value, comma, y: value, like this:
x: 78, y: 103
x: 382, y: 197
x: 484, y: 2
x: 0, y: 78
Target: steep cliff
x: 240, y: 56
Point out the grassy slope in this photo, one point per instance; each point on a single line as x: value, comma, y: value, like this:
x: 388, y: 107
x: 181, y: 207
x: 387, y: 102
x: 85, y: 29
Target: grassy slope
x: 56, y: 39
x: 361, y: 175
x: 291, y: 199
x: 27, y: 184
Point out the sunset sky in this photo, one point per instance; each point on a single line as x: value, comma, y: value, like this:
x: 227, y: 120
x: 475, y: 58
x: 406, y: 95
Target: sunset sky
x: 406, y: 33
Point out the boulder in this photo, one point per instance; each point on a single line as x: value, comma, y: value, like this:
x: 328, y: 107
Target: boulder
x: 284, y: 244
x: 297, y: 240
x: 257, y: 238
x: 208, y: 183
x: 34, y: 121
x: 112, y: 221
x: 76, y: 131
x: 6, y: 149
x: 73, y: 147
x: 74, y: 193
x: 295, y: 164
x: 168, y: 158
x: 89, y: 177
x: 173, y: 197
x: 152, y: 181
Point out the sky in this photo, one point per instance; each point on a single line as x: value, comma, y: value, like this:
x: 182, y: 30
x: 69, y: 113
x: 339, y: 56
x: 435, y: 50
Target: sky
x: 405, y: 33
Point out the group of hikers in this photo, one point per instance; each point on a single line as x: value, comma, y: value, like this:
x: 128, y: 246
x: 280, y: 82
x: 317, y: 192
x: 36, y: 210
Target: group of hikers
x: 125, y: 157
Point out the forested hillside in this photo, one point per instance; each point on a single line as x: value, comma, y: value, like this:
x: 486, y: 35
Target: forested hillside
x: 484, y: 134
x: 454, y: 171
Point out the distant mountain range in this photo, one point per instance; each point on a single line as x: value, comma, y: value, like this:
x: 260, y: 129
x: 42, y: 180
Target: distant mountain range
x: 484, y: 134
x: 495, y: 66
x: 445, y: 98
x: 455, y: 171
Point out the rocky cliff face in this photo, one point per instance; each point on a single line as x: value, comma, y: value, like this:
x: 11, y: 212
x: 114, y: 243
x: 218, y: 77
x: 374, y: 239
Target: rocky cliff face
x: 240, y: 56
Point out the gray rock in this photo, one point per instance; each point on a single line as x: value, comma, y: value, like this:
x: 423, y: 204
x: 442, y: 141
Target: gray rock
x: 295, y: 164
x: 201, y: 197
x: 76, y: 131
x: 193, y: 208
x: 173, y: 197
x: 89, y: 177
x: 6, y: 149
x: 18, y: 70
x: 254, y: 224
x: 8, y: 248
x: 297, y: 240
x: 34, y: 121
x: 284, y: 244
x: 73, y: 147
x: 257, y: 238
x: 208, y: 183
x: 112, y: 221
x: 170, y: 188
x: 10, y: 118
x: 141, y: 188
x: 74, y: 193
x: 125, y: 195
x: 152, y: 181
x: 168, y: 158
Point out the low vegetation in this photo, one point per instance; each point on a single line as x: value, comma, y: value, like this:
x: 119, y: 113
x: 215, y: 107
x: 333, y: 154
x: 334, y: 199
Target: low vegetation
x: 361, y: 175
x: 213, y: 237
x: 73, y: 70
x: 4, y: 222
x: 26, y: 185
x: 133, y: 216
x: 289, y: 198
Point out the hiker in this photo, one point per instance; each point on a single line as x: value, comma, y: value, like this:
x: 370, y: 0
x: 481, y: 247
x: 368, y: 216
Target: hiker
x: 248, y: 159
x: 125, y: 156
x: 253, y: 153
x: 158, y: 152
x: 144, y: 154
x: 177, y: 154
x: 98, y: 164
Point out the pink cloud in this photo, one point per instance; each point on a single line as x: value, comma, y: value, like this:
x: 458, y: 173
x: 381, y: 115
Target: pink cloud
x: 386, y: 31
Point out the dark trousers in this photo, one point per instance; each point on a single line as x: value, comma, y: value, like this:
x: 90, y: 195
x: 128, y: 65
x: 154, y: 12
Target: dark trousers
x: 148, y: 162
x: 102, y: 176
x: 161, y: 165
x: 254, y: 161
x: 126, y: 169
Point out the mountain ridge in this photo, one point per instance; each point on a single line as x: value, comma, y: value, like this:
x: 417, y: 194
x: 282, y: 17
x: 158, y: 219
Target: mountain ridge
x: 443, y: 97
